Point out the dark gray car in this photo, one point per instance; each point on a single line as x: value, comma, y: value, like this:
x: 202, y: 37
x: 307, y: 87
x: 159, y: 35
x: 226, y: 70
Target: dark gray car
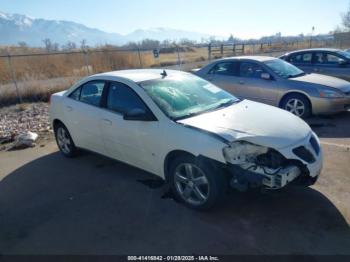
x: 326, y: 61
x: 273, y: 81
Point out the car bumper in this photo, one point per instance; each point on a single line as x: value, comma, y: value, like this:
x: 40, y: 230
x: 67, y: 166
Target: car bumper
x: 297, y: 172
x: 330, y: 105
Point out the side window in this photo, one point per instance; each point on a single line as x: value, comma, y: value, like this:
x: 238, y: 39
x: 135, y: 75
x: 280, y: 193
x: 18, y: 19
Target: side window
x: 76, y: 94
x: 326, y: 58
x: 122, y: 99
x: 250, y: 70
x: 301, y: 58
x: 319, y: 58
x: 91, y: 92
x: 225, y: 68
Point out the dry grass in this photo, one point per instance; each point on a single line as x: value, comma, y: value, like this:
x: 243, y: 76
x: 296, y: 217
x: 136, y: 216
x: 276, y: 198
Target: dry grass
x: 40, y: 76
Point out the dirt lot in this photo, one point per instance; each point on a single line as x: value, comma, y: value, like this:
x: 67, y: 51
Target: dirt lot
x: 94, y: 205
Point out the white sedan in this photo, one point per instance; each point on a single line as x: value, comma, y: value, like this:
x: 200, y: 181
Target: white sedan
x: 194, y: 135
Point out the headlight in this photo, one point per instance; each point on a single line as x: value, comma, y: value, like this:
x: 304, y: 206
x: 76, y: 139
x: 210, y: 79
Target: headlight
x: 330, y: 94
x: 240, y: 152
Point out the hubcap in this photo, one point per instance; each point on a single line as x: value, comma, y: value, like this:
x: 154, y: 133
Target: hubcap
x: 63, y: 140
x: 191, y: 183
x: 295, y: 106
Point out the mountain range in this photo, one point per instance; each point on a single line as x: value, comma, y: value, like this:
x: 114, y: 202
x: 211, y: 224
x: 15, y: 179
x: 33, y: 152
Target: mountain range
x: 15, y: 28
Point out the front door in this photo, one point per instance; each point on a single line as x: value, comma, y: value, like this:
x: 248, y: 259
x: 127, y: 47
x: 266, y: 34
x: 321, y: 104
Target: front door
x: 253, y: 87
x: 130, y: 141
x: 330, y: 64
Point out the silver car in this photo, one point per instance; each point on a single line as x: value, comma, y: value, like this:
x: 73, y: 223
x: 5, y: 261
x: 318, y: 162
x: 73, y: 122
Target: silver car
x: 275, y: 82
x: 326, y: 61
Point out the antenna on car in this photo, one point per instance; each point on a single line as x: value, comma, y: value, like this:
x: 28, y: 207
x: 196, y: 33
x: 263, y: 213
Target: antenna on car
x: 164, y: 74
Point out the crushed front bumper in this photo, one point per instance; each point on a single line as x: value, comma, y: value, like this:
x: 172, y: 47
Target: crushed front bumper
x: 298, y: 171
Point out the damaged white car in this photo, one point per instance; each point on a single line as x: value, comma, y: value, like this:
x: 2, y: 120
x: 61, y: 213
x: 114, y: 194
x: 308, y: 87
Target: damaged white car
x: 194, y: 135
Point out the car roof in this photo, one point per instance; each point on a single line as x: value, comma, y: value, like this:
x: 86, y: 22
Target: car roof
x: 254, y: 58
x: 314, y: 49
x: 140, y: 75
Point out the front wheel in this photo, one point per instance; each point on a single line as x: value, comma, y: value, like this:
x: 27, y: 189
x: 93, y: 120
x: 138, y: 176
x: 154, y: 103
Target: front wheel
x: 197, y: 185
x: 64, y: 141
x: 297, y: 104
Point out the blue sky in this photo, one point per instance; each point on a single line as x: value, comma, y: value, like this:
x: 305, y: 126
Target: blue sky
x: 245, y: 19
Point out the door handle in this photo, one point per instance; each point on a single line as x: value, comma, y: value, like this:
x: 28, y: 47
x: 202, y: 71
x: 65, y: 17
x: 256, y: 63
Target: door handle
x: 241, y: 82
x: 69, y: 108
x: 107, y: 121
x: 316, y: 70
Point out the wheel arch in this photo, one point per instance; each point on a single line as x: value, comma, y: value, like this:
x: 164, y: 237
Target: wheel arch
x: 56, y: 122
x: 171, y: 156
x: 294, y: 92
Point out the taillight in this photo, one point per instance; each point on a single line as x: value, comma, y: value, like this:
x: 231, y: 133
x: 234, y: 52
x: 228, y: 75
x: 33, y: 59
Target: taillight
x: 49, y: 99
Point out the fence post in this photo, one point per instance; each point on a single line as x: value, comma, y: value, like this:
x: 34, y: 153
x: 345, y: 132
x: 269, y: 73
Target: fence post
x: 209, y: 52
x: 13, y: 74
x: 139, y: 53
x: 178, y: 58
x: 222, y: 49
x: 86, y: 60
x: 243, y: 47
x: 234, y: 49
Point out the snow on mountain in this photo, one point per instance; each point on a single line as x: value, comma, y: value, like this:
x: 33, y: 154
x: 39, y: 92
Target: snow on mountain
x: 16, y: 28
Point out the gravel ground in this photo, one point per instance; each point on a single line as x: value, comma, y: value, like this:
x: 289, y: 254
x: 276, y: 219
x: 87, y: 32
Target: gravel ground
x: 19, y: 119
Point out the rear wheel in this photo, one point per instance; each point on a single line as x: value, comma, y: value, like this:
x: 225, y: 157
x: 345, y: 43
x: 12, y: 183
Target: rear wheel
x: 64, y: 141
x: 297, y: 104
x: 197, y: 185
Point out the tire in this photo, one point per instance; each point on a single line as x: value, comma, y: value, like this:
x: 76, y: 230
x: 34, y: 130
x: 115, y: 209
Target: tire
x: 297, y: 104
x: 64, y: 141
x: 198, y: 185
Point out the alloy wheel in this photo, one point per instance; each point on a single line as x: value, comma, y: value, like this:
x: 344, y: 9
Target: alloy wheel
x: 63, y: 140
x: 295, y: 106
x: 191, y: 183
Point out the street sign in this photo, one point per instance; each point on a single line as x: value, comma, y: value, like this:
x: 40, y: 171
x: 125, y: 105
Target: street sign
x: 155, y: 53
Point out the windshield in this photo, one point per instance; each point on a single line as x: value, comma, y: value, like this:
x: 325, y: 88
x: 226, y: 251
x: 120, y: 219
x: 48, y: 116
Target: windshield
x: 284, y: 69
x: 185, y: 96
x: 346, y: 54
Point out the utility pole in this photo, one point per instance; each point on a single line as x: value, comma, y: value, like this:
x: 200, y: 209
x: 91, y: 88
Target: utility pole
x: 312, y: 33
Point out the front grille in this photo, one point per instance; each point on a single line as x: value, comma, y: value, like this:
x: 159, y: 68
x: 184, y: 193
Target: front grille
x: 304, y: 154
x: 315, y: 145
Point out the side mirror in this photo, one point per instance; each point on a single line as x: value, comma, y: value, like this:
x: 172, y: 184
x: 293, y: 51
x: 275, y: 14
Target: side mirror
x: 342, y: 62
x: 138, y: 114
x: 265, y: 76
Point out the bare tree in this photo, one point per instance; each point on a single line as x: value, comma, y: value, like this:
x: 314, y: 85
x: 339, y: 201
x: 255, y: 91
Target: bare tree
x: 346, y: 19
x: 51, y: 46
x: 48, y: 44
x: 69, y: 46
x: 23, y: 45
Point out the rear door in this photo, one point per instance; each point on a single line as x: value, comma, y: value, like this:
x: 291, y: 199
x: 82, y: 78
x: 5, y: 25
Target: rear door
x: 225, y: 75
x: 82, y: 114
x: 133, y: 142
x: 328, y: 63
x: 302, y: 61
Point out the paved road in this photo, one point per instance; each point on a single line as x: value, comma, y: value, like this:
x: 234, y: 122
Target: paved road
x: 94, y: 205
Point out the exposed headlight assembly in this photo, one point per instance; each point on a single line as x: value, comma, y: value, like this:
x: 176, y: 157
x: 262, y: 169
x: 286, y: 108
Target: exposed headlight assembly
x: 242, y: 152
x: 325, y: 93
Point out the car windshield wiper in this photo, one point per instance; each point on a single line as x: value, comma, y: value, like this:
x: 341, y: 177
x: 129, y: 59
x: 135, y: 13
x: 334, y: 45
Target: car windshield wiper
x: 221, y: 105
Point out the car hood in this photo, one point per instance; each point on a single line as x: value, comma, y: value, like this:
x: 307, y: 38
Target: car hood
x: 325, y: 81
x: 253, y: 122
